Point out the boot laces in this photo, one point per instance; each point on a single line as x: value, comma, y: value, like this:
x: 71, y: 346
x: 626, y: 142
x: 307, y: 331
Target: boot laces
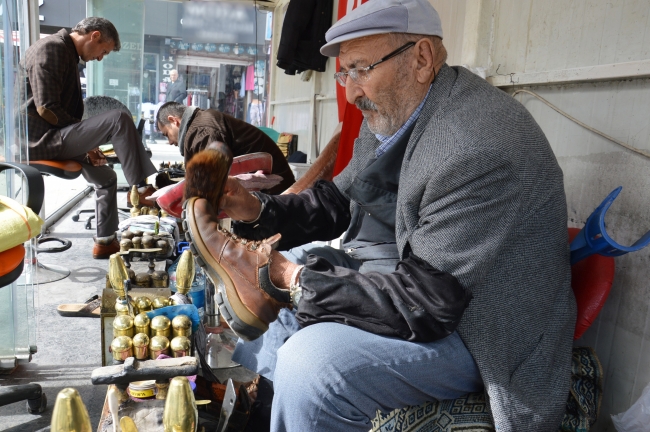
x: 250, y: 245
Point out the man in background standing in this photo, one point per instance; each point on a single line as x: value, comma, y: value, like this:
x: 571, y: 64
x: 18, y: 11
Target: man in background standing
x: 176, y: 91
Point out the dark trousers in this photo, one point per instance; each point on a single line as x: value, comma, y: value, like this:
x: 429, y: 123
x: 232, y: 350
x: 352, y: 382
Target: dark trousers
x: 118, y: 128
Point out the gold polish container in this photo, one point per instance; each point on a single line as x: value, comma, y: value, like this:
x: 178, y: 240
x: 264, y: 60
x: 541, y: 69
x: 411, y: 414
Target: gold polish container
x: 180, y: 346
x: 158, y: 345
x: 141, y: 346
x: 122, y: 348
x: 180, y: 414
x: 142, y: 324
x: 144, y: 304
x: 160, y: 302
x: 122, y: 307
x: 182, y: 326
x: 185, y: 273
x: 160, y: 279
x: 161, y: 326
x: 143, y: 280
x: 70, y: 413
x: 125, y: 245
x: 123, y: 326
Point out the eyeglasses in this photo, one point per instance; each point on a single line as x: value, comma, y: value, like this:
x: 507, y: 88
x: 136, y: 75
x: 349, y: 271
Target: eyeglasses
x: 361, y: 74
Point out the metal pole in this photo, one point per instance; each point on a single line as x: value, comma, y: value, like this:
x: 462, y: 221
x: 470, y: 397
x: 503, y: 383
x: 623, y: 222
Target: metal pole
x: 61, y: 211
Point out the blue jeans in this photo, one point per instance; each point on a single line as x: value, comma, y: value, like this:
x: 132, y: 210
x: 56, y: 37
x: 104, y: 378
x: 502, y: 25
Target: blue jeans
x: 332, y: 377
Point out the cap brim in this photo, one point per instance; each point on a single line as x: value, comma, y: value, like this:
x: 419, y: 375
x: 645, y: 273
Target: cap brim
x: 333, y: 47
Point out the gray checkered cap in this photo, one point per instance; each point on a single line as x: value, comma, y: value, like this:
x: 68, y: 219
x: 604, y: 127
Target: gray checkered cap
x: 383, y: 16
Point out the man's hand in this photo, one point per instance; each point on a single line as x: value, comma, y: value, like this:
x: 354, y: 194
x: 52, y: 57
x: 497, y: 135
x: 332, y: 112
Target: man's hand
x: 238, y: 203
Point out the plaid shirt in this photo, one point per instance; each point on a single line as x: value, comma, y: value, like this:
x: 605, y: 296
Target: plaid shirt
x: 388, y: 141
x: 53, y: 93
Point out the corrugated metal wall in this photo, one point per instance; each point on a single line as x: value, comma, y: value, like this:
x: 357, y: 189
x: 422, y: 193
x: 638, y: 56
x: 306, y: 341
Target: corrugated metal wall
x: 590, y: 58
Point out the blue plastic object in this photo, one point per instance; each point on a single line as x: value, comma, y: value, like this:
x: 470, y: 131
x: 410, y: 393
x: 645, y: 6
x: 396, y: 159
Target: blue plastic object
x: 594, y: 239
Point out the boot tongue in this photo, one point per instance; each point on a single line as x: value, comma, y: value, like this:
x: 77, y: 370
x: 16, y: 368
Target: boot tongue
x: 273, y: 241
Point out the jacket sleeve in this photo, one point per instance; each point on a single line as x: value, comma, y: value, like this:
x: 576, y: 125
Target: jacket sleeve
x: 320, y: 213
x: 468, y: 209
x: 416, y: 302
x: 46, y: 78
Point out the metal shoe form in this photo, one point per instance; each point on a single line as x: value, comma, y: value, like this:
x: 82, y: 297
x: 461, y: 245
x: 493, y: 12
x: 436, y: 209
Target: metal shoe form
x: 244, y: 323
x: 594, y: 239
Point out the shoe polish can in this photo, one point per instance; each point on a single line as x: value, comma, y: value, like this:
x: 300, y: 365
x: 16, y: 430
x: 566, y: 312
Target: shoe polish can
x: 142, y: 324
x: 182, y: 326
x: 180, y: 346
x: 161, y: 326
x: 141, y: 346
x: 123, y: 326
x: 160, y: 302
x: 144, y: 304
x: 158, y: 345
x: 122, y: 348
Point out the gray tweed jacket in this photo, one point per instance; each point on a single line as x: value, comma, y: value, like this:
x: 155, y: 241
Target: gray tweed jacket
x: 481, y: 196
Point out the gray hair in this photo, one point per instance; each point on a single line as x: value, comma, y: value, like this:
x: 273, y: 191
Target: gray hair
x: 103, y: 26
x: 441, y: 52
x: 170, y: 109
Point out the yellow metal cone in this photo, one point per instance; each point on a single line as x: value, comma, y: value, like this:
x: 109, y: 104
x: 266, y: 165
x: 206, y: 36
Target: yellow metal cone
x: 180, y: 413
x: 185, y: 272
x: 117, y: 274
x: 70, y: 413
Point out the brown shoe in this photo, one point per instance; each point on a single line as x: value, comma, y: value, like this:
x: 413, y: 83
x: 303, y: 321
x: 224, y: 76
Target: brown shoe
x: 104, y: 251
x: 247, y: 298
x: 144, y: 201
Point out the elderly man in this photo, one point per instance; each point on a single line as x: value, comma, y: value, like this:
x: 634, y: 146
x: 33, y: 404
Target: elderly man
x: 453, y: 192
x: 192, y: 129
x: 176, y: 92
x: 55, y: 129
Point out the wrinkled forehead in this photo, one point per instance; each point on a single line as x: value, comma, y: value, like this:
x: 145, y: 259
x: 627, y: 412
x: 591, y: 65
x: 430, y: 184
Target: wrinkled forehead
x: 363, y: 51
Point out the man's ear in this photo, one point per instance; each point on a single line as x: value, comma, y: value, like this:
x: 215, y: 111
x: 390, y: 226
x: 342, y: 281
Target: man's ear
x: 174, y: 120
x: 425, y: 53
x: 96, y: 36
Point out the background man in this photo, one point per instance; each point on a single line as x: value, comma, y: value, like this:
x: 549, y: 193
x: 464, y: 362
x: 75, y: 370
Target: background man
x: 452, y: 187
x: 192, y: 129
x: 176, y: 91
x: 55, y: 130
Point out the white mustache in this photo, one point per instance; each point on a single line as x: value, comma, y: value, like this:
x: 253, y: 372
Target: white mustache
x: 365, y: 104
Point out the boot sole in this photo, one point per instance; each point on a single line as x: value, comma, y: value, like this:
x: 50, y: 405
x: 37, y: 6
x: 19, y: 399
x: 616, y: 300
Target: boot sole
x: 241, y: 320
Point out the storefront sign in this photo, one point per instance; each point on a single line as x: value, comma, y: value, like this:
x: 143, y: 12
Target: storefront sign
x: 218, y: 22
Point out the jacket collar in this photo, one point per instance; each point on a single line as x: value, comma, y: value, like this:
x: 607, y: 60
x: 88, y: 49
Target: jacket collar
x: 188, y: 116
x: 440, y: 91
x: 67, y: 40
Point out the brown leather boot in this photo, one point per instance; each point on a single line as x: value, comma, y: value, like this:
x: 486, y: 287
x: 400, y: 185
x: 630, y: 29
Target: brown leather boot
x: 247, y: 298
x: 103, y: 250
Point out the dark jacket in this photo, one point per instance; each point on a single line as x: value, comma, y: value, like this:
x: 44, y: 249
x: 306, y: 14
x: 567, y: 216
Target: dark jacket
x: 207, y: 126
x: 303, y: 34
x: 53, y: 91
x: 176, y: 91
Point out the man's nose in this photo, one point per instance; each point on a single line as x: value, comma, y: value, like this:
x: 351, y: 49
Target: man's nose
x: 353, y: 91
x: 100, y: 57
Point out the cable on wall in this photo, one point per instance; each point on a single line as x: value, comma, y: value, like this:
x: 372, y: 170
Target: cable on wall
x: 575, y: 120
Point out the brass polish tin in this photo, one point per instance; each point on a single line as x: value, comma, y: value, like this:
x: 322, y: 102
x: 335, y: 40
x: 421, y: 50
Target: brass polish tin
x: 144, y: 303
x: 160, y: 302
x: 158, y: 345
x: 181, y: 326
x: 160, y: 279
x: 161, y: 326
x: 123, y: 326
x: 122, y: 348
x: 180, y: 346
x: 141, y: 346
x: 142, y: 324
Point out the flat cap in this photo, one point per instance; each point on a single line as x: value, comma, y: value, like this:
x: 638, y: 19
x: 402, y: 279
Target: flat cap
x: 383, y: 16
